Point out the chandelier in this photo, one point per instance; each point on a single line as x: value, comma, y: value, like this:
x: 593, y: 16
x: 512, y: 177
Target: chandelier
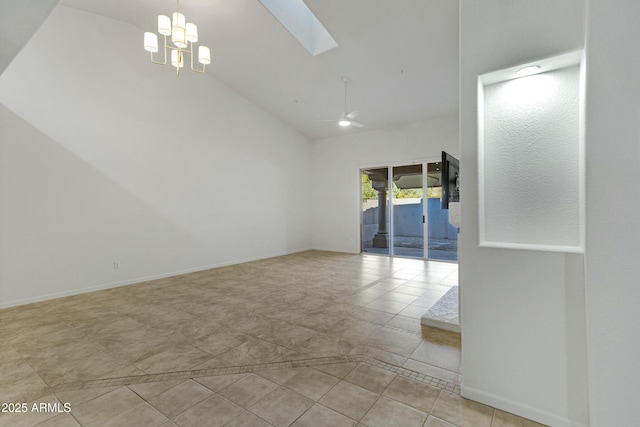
x: 183, y: 35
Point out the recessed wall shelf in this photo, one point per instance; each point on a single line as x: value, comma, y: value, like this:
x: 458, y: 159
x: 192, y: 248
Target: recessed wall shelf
x: 531, y: 155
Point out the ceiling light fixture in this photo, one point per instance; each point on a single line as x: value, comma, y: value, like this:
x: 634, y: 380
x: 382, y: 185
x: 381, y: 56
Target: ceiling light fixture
x: 183, y: 35
x: 345, y: 120
x: 528, y: 71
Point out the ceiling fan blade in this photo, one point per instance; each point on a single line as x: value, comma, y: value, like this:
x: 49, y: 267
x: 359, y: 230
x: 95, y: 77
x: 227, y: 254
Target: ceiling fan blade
x: 353, y: 114
x: 331, y: 120
x: 356, y: 124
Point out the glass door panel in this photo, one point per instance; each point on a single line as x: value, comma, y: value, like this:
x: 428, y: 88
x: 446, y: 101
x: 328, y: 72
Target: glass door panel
x: 408, y: 211
x: 375, y: 211
x: 442, y: 236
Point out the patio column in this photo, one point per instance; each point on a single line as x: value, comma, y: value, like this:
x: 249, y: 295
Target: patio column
x: 381, y: 239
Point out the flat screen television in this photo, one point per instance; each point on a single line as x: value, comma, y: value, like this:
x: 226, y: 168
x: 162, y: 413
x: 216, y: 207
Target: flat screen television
x: 450, y: 180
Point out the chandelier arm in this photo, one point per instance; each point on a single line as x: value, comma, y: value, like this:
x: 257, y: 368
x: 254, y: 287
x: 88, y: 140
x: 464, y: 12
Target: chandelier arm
x: 180, y: 60
x: 191, y: 55
x: 165, y: 28
x: 165, y: 54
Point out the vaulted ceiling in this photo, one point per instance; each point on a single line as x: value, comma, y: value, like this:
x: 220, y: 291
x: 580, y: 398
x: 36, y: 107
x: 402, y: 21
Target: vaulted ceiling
x: 401, y: 57
x: 19, y: 20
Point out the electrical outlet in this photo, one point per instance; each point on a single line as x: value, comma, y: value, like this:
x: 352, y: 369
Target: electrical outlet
x: 116, y: 265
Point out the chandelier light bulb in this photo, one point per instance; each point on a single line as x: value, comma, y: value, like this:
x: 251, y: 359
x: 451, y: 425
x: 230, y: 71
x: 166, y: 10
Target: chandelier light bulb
x: 164, y: 25
x: 179, y: 37
x: 204, y: 55
x: 177, y: 59
x: 179, y: 20
x: 192, y: 32
x: 150, y: 42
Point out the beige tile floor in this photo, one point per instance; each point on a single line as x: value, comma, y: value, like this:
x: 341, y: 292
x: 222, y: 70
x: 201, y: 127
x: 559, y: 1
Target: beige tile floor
x: 310, y: 339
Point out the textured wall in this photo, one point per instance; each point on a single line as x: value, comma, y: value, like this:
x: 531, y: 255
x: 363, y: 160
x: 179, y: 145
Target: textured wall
x: 531, y: 160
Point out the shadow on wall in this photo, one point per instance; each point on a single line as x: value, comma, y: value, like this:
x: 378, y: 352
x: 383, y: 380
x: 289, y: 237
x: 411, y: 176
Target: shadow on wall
x: 73, y: 223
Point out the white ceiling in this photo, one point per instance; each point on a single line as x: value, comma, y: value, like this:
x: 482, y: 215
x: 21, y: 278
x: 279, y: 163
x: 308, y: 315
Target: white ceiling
x: 401, y: 56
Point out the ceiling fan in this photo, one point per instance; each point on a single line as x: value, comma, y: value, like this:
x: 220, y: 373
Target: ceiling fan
x: 346, y: 119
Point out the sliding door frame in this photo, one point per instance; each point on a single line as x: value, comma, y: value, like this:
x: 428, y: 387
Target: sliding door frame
x: 425, y: 213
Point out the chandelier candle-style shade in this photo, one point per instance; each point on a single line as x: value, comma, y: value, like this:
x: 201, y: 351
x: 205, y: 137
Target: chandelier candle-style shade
x: 183, y: 35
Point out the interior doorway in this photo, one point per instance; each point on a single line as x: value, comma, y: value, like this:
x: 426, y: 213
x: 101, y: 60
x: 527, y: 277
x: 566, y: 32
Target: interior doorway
x: 401, y: 212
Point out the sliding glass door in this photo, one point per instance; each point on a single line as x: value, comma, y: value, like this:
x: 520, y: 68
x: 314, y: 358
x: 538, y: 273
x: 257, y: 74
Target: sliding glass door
x: 375, y: 210
x: 392, y: 221
x: 402, y: 213
x: 442, y: 236
x: 408, y: 211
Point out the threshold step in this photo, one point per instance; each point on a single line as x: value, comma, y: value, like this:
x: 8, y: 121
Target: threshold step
x: 444, y: 313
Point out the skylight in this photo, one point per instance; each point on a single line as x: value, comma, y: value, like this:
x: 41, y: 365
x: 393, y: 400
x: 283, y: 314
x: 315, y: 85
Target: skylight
x: 300, y: 21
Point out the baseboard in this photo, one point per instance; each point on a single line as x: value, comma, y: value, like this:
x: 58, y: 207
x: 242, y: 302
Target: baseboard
x: 517, y: 408
x: 117, y: 284
x: 338, y: 250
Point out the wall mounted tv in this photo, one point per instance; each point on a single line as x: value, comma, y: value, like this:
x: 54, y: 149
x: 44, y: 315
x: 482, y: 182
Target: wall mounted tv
x: 450, y: 180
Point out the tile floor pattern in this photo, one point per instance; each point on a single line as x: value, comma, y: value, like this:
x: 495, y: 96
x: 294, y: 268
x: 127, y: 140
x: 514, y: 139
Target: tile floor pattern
x: 310, y: 339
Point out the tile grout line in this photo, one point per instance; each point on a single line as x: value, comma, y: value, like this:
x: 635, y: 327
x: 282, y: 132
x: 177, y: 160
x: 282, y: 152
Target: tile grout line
x: 192, y: 374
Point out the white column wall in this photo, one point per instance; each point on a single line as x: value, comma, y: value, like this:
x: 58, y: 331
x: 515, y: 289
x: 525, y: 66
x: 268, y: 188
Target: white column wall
x: 106, y: 157
x: 522, y: 312
x: 613, y: 210
x: 336, y: 173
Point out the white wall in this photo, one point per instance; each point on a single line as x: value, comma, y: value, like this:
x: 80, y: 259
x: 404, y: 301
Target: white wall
x: 522, y: 312
x: 531, y: 135
x: 107, y: 157
x: 30, y: 15
x: 336, y: 173
x: 613, y: 209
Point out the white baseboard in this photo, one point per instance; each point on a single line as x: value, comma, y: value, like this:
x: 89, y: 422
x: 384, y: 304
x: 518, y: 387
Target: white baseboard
x: 339, y: 250
x: 517, y: 408
x: 131, y: 281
